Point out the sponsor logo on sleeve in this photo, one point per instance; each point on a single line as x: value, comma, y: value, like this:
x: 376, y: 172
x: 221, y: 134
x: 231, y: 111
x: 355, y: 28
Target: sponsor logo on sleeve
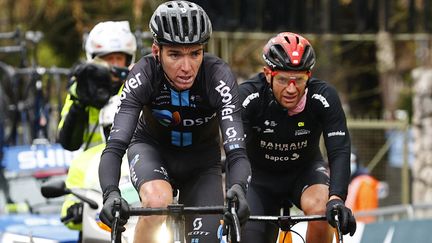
x: 226, y: 95
x: 322, y: 99
x: 249, y: 99
x: 131, y: 84
x: 337, y: 133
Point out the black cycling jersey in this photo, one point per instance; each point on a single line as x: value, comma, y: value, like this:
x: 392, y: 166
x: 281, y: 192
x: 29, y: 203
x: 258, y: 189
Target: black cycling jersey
x: 186, y: 120
x: 282, y: 144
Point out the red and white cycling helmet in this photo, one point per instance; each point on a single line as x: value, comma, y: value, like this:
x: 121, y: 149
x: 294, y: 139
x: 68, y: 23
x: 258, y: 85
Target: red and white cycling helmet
x: 289, y: 52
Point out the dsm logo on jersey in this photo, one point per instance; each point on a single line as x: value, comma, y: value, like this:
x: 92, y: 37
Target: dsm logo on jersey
x: 167, y: 118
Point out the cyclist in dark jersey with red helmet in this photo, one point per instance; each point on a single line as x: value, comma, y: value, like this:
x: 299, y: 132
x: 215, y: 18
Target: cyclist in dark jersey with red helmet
x: 173, y: 104
x: 285, y: 113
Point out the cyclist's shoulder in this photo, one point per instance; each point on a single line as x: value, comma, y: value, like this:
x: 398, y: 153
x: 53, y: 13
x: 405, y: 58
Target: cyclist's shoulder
x: 214, y: 66
x: 254, y: 84
x: 322, y: 93
x: 147, y: 64
x: 257, y: 80
x: 212, y: 59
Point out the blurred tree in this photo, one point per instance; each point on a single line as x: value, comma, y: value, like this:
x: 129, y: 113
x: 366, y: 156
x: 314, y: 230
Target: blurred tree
x: 64, y: 22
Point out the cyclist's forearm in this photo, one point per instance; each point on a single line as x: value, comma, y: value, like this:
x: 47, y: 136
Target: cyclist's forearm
x: 238, y: 168
x: 110, y: 166
x: 339, y: 177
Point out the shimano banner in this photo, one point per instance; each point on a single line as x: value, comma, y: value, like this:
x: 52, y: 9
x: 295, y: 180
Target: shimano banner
x: 37, y: 157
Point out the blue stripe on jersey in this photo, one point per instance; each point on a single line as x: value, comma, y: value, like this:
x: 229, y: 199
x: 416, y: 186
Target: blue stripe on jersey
x: 183, y: 100
x: 176, y: 138
x: 187, y: 138
x: 181, y: 139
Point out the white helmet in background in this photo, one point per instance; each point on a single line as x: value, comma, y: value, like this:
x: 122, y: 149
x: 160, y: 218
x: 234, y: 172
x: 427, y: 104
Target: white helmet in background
x: 111, y: 36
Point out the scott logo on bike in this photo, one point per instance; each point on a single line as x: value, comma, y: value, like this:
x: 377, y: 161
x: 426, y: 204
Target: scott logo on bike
x: 197, y: 224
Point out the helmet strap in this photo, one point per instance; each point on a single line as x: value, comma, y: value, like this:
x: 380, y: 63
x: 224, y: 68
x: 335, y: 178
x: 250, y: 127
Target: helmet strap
x: 272, y: 75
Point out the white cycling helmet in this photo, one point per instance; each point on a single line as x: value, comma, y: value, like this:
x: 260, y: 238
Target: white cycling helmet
x: 111, y: 36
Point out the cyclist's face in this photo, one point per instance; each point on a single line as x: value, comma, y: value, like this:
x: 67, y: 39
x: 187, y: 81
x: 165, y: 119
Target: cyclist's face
x: 180, y: 63
x: 288, y: 86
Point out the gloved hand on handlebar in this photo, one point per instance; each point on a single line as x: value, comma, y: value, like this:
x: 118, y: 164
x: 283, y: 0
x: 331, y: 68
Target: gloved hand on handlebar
x: 237, y: 194
x: 346, y: 218
x: 107, y: 213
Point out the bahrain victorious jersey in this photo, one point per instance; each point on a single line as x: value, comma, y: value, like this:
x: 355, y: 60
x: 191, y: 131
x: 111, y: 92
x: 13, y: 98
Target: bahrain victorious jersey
x: 281, y: 143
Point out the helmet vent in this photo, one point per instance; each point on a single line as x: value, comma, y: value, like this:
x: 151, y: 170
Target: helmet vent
x: 287, y: 39
x: 185, y: 25
x: 194, y: 23
x: 202, y: 25
x: 165, y: 23
x: 175, y: 26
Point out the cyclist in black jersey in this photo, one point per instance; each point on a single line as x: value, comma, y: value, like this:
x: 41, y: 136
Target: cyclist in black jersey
x: 173, y: 104
x: 285, y: 112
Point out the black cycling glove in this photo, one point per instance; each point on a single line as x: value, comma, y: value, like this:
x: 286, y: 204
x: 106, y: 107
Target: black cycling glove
x: 107, y: 213
x: 346, y: 218
x: 237, y: 194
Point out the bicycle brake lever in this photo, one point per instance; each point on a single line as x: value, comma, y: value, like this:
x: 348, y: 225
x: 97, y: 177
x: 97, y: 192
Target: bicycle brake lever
x: 114, y: 229
x: 235, y: 221
x: 338, y: 229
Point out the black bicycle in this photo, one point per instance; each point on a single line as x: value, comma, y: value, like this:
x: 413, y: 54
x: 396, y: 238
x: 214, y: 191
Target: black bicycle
x: 28, y: 103
x: 176, y: 219
x: 286, y: 222
x: 26, y: 90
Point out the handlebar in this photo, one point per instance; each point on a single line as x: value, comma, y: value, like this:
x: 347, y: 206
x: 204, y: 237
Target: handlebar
x: 286, y: 222
x: 174, y: 210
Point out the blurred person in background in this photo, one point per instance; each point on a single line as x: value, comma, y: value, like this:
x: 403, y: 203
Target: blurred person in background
x: 110, y: 49
x: 286, y: 111
x: 362, y: 191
